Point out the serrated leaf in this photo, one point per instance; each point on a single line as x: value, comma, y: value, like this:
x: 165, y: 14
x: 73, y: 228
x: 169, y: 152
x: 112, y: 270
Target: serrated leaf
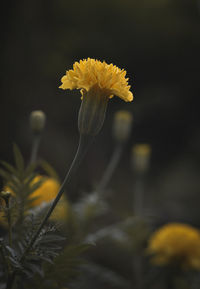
x: 30, y: 169
x: 47, y: 259
x: 50, y: 238
x: 15, y: 263
x: 36, y: 268
x: 49, y: 170
x: 35, y: 186
x: 5, y: 175
x: 19, y: 161
x: 9, y: 167
x: 12, y: 252
x: 29, y: 178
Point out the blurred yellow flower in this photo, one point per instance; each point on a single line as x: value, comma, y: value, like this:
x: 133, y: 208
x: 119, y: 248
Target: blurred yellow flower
x: 89, y: 73
x: 176, y: 243
x: 46, y: 192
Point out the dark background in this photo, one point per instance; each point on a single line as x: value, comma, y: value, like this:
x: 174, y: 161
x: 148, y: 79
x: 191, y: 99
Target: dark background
x: 157, y: 42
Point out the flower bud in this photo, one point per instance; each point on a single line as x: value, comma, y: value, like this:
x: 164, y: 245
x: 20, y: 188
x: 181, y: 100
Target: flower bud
x: 141, y: 154
x: 122, y: 125
x: 5, y: 195
x: 92, y: 111
x: 37, y: 121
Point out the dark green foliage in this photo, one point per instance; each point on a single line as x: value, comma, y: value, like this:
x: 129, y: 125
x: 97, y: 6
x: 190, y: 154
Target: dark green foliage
x: 51, y: 257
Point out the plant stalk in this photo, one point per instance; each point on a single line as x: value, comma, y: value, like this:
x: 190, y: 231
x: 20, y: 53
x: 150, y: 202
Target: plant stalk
x: 9, y: 221
x: 110, y: 168
x: 84, y: 143
x: 35, y: 147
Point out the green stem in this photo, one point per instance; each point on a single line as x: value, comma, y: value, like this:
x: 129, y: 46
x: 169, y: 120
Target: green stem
x: 35, y: 147
x: 138, y: 195
x: 110, y: 168
x: 11, y: 280
x: 9, y: 221
x: 84, y: 142
x: 138, y: 211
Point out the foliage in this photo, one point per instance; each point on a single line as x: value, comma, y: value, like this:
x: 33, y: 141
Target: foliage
x: 51, y: 257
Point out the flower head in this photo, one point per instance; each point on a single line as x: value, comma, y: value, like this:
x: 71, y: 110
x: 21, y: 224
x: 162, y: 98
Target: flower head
x: 46, y: 192
x: 107, y: 77
x: 176, y: 243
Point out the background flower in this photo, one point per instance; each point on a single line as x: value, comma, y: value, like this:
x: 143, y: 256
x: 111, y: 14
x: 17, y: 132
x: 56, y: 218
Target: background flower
x: 177, y: 244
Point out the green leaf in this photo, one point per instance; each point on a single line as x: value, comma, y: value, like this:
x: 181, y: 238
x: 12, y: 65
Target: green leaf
x: 19, y: 161
x: 29, y: 179
x: 35, y: 186
x: 30, y: 169
x: 9, y: 168
x: 5, y: 175
x: 66, y: 264
x: 49, y: 170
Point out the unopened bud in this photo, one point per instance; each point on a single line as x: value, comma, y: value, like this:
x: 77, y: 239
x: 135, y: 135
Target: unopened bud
x: 5, y: 195
x: 122, y: 125
x: 92, y: 111
x: 37, y: 121
x: 141, y: 154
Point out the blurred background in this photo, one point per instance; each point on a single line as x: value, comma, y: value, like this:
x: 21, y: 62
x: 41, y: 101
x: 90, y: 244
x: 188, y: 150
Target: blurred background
x: 158, y: 43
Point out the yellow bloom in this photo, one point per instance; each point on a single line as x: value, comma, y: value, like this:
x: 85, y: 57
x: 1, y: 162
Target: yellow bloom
x: 46, y: 192
x: 90, y: 73
x: 176, y: 243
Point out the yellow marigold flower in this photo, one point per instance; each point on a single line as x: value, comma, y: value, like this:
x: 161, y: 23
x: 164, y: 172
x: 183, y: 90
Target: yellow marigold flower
x: 176, y: 243
x: 107, y: 77
x: 46, y: 192
x: 98, y: 81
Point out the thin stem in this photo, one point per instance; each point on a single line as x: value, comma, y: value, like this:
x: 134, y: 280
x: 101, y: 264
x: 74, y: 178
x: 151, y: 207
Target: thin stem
x: 35, y: 147
x: 137, y: 270
x: 110, y: 168
x: 170, y: 279
x: 138, y: 198
x: 84, y: 143
x: 9, y: 221
x: 10, y: 273
x: 82, y: 148
x: 11, y: 280
x: 138, y: 195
